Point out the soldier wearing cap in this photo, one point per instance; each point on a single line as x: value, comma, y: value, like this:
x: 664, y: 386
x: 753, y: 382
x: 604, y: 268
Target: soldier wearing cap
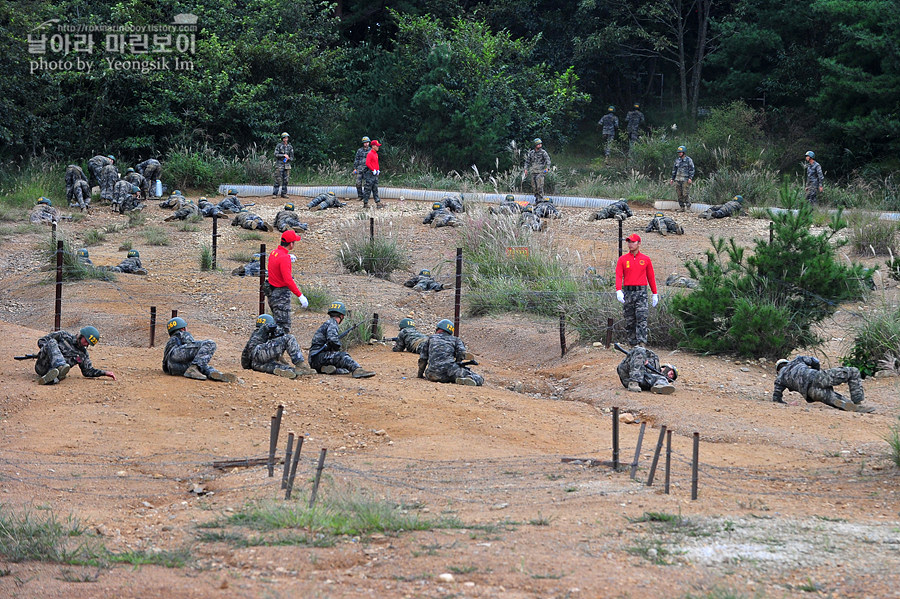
x: 359, y: 165
x: 281, y: 282
x: 634, y: 271
x: 61, y: 350
x: 284, y: 155
x: 537, y: 164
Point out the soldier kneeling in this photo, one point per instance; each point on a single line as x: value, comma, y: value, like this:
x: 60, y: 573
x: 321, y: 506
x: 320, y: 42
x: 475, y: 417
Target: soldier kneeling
x: 804, y: 375
x: 442, y: 358
x: 640, y: 370
x: 267, y: 345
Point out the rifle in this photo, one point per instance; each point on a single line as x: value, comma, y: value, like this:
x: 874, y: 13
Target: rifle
x: 248, y: 205
x: 26, y: 357
x: 394, y: 339
x: 647, y: 366
x: 465, y: 363
x: 341, y: 336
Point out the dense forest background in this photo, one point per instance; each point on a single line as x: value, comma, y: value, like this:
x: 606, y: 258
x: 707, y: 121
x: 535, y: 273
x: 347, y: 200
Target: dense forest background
x: 457, y: 80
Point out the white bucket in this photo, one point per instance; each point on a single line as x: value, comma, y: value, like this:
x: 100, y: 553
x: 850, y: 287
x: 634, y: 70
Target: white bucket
x: 158, y: 188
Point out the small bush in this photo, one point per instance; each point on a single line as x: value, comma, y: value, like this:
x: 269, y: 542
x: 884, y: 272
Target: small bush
x: 73, y: 270
x: 206, y: 257
x: 318, y: 297
x: 156, y: 236
x: 379, y: 256
x: 43, y: 538
x: 136, y: 218
x: 185, y: 226
x: 893, y: 440
x: 758, y: 186
x: 654, y: 155
x: 875, y: 338
x: 870, y: 236
x: 126, y: 246
x: 94, y: 237
x: 250, y: 236
x: 244, y: 257
x: 892, y: 267
x: 589, y: 314
x: 362, y: 333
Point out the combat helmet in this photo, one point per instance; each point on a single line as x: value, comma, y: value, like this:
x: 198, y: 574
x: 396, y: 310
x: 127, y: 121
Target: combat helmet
x: 738, y: 198
x: 811, y: 154
x: 445, y: 325
x: 528, y: 208
x: 82, y: 253
x: 130, y: 170
x: 658, y: 215
x: 510, y: 198
x: 437, y: 206
x: 637, y: 106
x: 43, y: 200
x: 91, y: 334
x: 337, y: 308
x: 285, y: 134
x: 669, y: 371
x: 232, y: 191
x: 424, y: 273
x: 134, y: 254
x: 175, y: 325
x: 255, y: 257
x: 681, y: 149
x: 264, y: 320
x: 406, y: 323
x: 366, y: 139
x: 538, y: 141
x: 289, y: 206
x: 611, y: 109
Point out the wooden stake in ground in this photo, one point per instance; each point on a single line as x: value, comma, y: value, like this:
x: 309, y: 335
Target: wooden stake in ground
x: 562, y: 335
x: 273, y: 439
x: 458, y: 298
x: 152, y: 325
x: 262, y: 278
x: 615, y: 437
x: 695, y: 466
x: 290, y: 484
x: 287, y: 460
x: 57, y: 309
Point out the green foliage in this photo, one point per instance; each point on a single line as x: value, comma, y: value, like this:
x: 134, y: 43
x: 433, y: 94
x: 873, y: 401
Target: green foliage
x: 319, y: 298
x: 206, y: 257
x: 156, y: 236
x: 250, y: 236
x: 22, y: 184
x: 758, y: 186
x: 94, y: 237
x: 892, y: 267
x: 27, y: 536
x: 730, y: 138
x: 136, y: 218
x: 378, y: 256
x: 589, y: 313
x: 72, y: 269
x: 876, y: 338
x: 870, y: 236
x: 893, y: 441
x: 363, y: 333
x: 126, y: 245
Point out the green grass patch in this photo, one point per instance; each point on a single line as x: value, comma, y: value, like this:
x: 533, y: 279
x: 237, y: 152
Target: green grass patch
x: 876, y: 341
x: 250, y: 236
x: 379, y: 255
x: 657, y: 517
x: 870, y: 236
x: 80, y: 574
x: 360, y: 318
x: 21, y: 185
x: 206, y: 257
x: 185, y: 226
x: 244, y: 257
x: 167, y: 559
x: 893, y: 440
x: 94, y: 237
x: 27, y: 536
x: 10, y: 230
x: 654, y: 551
x: 319, y: 298
x: 72, y: 269
x: 136, y: 218
x: 126, y: 246
x: 156, y: 236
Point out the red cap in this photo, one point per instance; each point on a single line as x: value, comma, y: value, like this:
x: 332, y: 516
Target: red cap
x: 290, y: 236
x: 634, y: 237
x: 374, y: 142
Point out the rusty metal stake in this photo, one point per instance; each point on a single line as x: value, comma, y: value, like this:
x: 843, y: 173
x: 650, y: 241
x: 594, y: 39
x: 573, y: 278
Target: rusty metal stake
x: 262, y: 278
x: 615, y: 439
x: 152, y: 325
x: 287, y: 460
x: 562, y: 335
x: 695, y: 466
x: 668, y: 458
x: 315, y: 489
x: 273, y: 439
x: 609, y: 332
x: 659, y: 444
x: 290, y: 484
x: 57, y: 310
x: 637, y: 451
x: 458, y: 298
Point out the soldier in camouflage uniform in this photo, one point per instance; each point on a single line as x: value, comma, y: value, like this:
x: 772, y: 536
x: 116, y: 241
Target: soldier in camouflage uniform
x: 537, y: 164
x: 151, y: 170
x: 682, y: 178
x: 251, y: 269
x: 676, y: 280
x: 633, y: 121
x: 174, y: 201
x: 325, y: 353
x: 266, y: 347
x: 544, y: 208
x: 81, y: 195
x: 640, y: 371
x: 60, y: 351
x: 96, y: 164
x: 610, y: 124
x: 287, y: 219
x: 284, y: 156
x: 208, y: 209
x: 73, y: 175
x: 251, y: 221
x: 187, y: 357
x: 44, y: 212
x: 323, y: 201
x: 453, y: 203
x: 730, y: 207
x: 135, y: 178
x: 109, y: 176
x: 125, y: 197
x: 508, y: 206
x: 130, y: 265
x: 187, y: 210
x: 359, y: 165
x: 231, y: 203
x: 529, y: 220
x: 804, y: 375
x: 424, y: 282
x: 664, y: 225
x: 409, y: 339
x: 617, y: 210
x: 440, y: 356
x: 82, y: 257
x: 440, y: 217
x: 815, y: 179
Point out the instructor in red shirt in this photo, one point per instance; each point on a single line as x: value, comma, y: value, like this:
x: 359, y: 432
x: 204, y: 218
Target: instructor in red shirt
x: 281, y: 281
x: 370, y: 175
x: 634, y: 271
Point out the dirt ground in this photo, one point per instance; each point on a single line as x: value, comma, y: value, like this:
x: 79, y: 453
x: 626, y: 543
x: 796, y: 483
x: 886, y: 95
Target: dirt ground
x: 794, y: 500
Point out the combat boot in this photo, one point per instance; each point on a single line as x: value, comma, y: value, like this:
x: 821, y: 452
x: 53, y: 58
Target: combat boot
x: 662, y: 231
x: 193, y: 372
x: 63, y: 371
x: 287, y: 373
x: 48, y: 377
x: 634, y: 387
x: 302, y: 369
x: 328, y: 369
x: 679, y: 230
x: 663, y: 389
x: 222, y: 377
x: 464, y: 380
x: 361, y: 373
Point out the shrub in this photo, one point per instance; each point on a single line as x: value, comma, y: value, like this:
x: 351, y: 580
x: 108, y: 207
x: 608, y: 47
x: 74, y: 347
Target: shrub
x: 654, y: 155
x: 136, y: 218
x: 875, y: 338
x: 72, y: 269
x: 21, y: 186
x: 378, y: 256
x: 893, y: 440
x: 758, y: 186
x: 319, y: 298
x: 186, y: 226
x: 250, y: 236
x: 869, y: 235
x: 730, y: 138
x: 893, y: 268
x: 360, y: 318
x: 94, y: 237
x: 126, y: 245
x: 206, y: 257
x: 156, y: 236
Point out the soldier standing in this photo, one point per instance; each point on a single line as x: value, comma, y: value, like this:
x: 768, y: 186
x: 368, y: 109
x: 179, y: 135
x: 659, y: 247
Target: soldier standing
x: 408, y: 339
x: 682, y: 177
x: 281, y: 281
x: 634, y: 271
x: 325, y: 352
x: 266, y: 347
x: 640, y: 371
x: 815, y: 179
x: 633, y: 121
x: 610, y: 124
x: 187, y: 357
x: 284, y: 155
x: 370, y: 174
x: 733, y: 206
x: 441, y: 355
x: 804, y: 375
x: 359, y: 166
x: 61, y: 350
x: 537, y: 164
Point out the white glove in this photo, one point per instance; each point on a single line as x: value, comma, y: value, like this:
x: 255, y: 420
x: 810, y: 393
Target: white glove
x: 293, y: 257
x: 376, y: 173
x: 654, y: 299
x: 304, y: 303
x: 620, y: 295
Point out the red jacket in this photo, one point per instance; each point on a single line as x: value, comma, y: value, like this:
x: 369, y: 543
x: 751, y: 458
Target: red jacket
x: 635, y: 270
x: 372, y: 160
x: 280, y: 270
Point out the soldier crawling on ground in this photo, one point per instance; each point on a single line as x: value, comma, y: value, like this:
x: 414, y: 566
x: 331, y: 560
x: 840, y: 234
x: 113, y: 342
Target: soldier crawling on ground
x: 208, y: 209
x: 676, y: 280
x: 409, y: 339
x: 544, y: 208
x: 44, y: 212
x: 442, y: 358
x: 804, y: 375
x: 617, y: 210
x: 664, y: 225
x: 187, y: 210
x: 729, y: 208
x: 440, y: 217
x: 251, y: 269
x: 287, y: 219
x: 509, y: 206
x: 424, y: 282
x: 174, y: 201
x: 323, y: 201
x: 640, y: 370
x: 529, y: 220
x: 231, y: 203
x: 250, y: 220
x: 266, y: 347
x: 130, y: 265
x: 453, y: 203
x: 60, y: 351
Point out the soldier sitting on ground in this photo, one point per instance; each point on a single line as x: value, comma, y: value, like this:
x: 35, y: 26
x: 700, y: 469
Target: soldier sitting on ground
x: 209, y: 209
x: 231, y: 203
x: 187, y: 210
x: 174, y: 201
x: 544, y: 208
x: 287, y: 219
x: 82, y: 257
x: 729, y: 208
x: 184, y: 356
x: 251, y: 269
x: 441, y: 358
x: 617, y: 210
x: 250, y: 220
x: 408, y: 339
x: 508, y: 206
x: 529, y: 220
x: 424, y: 282
x: 323, y: 201
x: 440, y: 217
x: 126, y: 197
x: 44, y: 212
x: 453, y: 203
x: 266, y: 347
x: 640, y: 370
x: 676, y: 280
x: 664, y: 224
x: 135, y: 178
x: 60, y: 351
x: 130, y: 265
x: 804, y: 375
x: 325, y: 353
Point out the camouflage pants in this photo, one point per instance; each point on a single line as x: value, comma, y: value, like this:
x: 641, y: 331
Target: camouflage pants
x: 822, y: 388
x: 812, y: 194
x: 266, y: 357
x: 152, y: 173
x: 81, y: 197
x: 49, y: 357
x: 281, y: 179
x: 429, y: 286
x: 608, y: 142
x: 359, y: 185
x: 371, y: 188
x: 633, y: 135
x: 453, y: 373
x: 338, y: 359
x: 280, y: 305
x: 636, y: 371
x: 537, y: 185
x: 636, y: 309
x: 447, y: 220
x: 198, y: 353
x: 682, y: 193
